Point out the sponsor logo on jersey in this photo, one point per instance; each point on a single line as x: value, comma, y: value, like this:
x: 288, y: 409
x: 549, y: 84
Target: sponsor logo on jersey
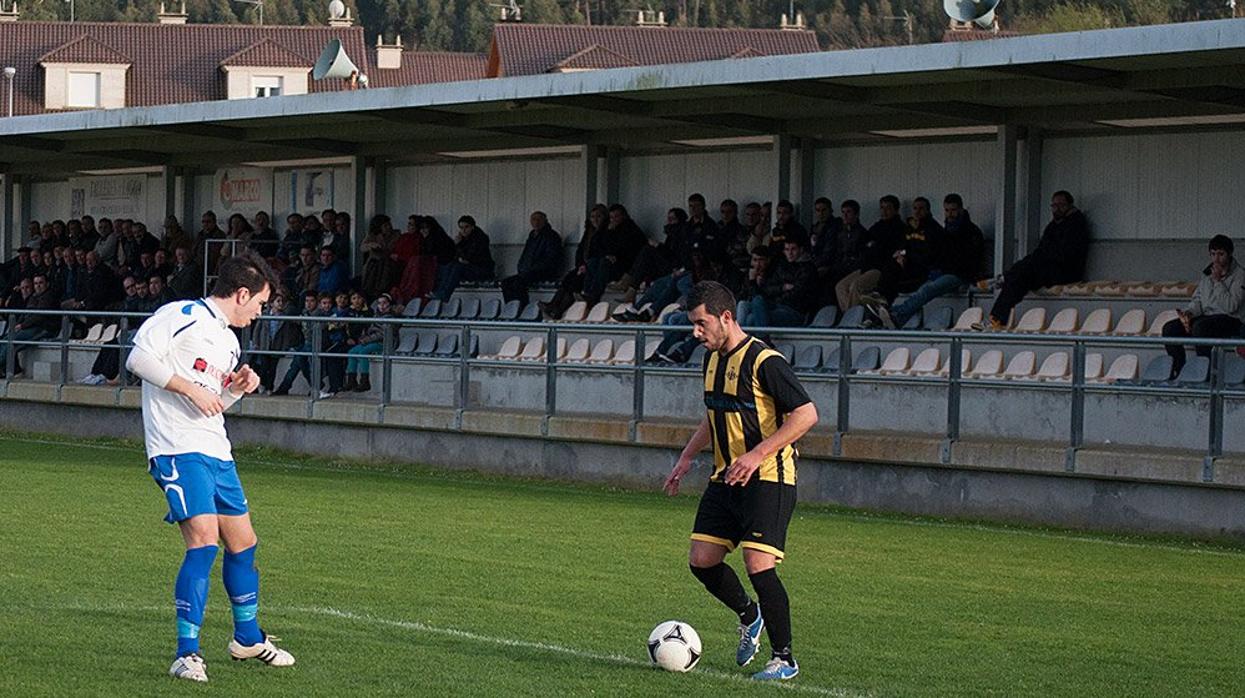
x: 201, y: 366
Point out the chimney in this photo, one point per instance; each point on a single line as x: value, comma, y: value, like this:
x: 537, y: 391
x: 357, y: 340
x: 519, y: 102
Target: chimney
x: 388, y: 56
x: 798, y: 25
x: 166, y: 17
x: 339, y: 14
x: 649, y: 18
x: 10, y: 15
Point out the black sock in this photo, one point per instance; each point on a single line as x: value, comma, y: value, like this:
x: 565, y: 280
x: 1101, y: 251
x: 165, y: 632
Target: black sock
x: 777, y: 611
x: 721, y: 581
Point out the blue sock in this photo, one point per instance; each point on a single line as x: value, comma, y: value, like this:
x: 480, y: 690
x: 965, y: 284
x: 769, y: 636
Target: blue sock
x: 190, y: 596
x: 242, y: 585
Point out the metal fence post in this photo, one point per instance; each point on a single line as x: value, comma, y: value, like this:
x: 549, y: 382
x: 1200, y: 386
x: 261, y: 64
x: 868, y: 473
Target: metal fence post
x: 386, y: 368
x: 464, y: 370
x: 954, y: 389
x: 64, y: 337
x: 9, y: 360
x: 1076, y: 429
x: 845, y: 393
x: 551, y: 379
x: 123, y: 374
x: 317, y: 334
x: 637, y: 387
x: 1214, y: 445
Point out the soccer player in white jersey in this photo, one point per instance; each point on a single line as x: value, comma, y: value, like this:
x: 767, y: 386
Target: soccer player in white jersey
x: 186, y: 355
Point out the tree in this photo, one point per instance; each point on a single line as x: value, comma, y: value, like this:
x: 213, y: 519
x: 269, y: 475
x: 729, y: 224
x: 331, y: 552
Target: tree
x: 474, y: 28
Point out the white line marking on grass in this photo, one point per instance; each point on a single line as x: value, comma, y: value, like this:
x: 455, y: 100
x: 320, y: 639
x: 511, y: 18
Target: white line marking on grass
x: 1218, y: 552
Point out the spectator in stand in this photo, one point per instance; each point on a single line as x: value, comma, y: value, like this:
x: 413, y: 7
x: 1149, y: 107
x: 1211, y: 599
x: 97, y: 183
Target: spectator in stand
x: 572, y: 284
x: 788, y: 291
x: 620, y: 245
x: 160, y: 260
x: 410, y: 275
x: 134, y: 245
x: 473, y: 260
x: 786, y: 226
x: 293, y: 240
x: 20, y: 298
x: 821, y: 237
x: 733, y: 234
x: 960, y: 253
x: 313, y: 306
x: 273, y: 335
x: 89, y: 236
x: 58, y: 272
x: 146, y: 266
x: 1059, y: 259
x: 209, y: 231
x: 703, y: 232
x: 30, y: 328
x: 541, y: 260
x: 33, y: 233
x: 175, y: 235
x: 18, y: 268
x: 339, y: 238
x: 880, y: 244
x: 378, y: 269
x: 368, y: 343
x: 37, y: 261
x: 304, y: 273
x: 846, y: 250
x: 910, y: 264
x: 69, y: 261
x: 1217, y: 306
x: 435, y: 248
x: 341, y: 337
x: 185, y: 279
x: 158, y: 291
x: 264, y: 240
x: 327, y: 221
x: 334, y: 277
x: 109, y: 244
x: 97, y: 288
x: 657, y: 261
x: 758, y: 228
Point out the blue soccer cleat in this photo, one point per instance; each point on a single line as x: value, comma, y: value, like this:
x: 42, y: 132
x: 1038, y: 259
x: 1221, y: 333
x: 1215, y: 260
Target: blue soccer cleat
x: 778, y: 669
x: 749, y: 640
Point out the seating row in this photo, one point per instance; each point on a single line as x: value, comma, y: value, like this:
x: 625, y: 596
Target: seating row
x: 471, y: 309
x: 1141, y: 289
x: 1132, y: 322
x: 97, y: 334
x: 582, y: 350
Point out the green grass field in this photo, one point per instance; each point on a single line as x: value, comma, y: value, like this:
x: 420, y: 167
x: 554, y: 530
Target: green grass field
x: 405, y: 581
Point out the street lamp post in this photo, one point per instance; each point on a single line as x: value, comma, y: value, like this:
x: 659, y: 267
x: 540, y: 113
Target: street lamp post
x: 9, y: 72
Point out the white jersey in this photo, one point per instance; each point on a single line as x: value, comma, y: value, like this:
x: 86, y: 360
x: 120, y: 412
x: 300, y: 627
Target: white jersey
x: 193, y: 340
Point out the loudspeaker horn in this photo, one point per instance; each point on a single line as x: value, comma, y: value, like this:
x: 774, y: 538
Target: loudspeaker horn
x: 979, y: 12
x: 333, y: 62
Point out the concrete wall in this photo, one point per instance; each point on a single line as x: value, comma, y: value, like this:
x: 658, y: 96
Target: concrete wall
x: 650, y: 185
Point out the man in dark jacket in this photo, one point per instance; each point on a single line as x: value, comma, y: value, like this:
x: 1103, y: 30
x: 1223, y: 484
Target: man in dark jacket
x: 788, y: 291
x: 880, y: 245
x: 620, y: 245
x: 1059, y: 259
x: 784, y: 228
x: 541, y: 260
x: 918, y: 254
x: 97, y: 285
x: 961, y: 251
x: 30, y: 328
x: 473, y: 260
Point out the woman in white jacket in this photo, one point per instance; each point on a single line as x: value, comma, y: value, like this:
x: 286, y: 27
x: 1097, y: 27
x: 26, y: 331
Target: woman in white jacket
x: 1216, y: 308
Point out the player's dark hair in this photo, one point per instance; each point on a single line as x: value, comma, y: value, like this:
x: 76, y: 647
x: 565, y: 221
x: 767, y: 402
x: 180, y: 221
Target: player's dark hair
x: 1222, y: 243
x: 716, y: 298
x: 245, y: 270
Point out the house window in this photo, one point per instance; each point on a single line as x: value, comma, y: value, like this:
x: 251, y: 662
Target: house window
x: 83, y: 90
x: 266, y: 86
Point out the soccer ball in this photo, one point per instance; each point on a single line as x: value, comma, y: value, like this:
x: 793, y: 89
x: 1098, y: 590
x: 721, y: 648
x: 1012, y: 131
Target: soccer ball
x: 674, y: 646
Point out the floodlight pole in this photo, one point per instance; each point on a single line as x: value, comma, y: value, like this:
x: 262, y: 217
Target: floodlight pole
x: 257, y: 3
x: 9, y: 73
x: 71, y: 9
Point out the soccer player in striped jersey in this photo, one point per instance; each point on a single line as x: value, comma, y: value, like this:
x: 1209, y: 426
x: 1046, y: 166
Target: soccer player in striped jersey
x: 756, y: 410
x: 186, y: 355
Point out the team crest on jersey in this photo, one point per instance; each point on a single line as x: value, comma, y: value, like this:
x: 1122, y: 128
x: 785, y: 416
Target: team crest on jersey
x: 731, y: 374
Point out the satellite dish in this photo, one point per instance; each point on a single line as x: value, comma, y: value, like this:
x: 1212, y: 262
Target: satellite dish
x: 337, y: 9
x: 979, y: 12
x: 333, y: 62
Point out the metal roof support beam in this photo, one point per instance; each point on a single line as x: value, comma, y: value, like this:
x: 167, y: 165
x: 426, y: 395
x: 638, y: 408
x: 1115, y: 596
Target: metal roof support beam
x: 1034, y: 201
x: 808, y: 176
x: 613, y: 175
x: 168, y: 175
x: 26, y: 209
x: 590, y: 160
x: 781, y: 163
x: 188, y: 199
x: 361, y: 204
x: 10, y: 215
x: 380, y: 183
x: 1005, y: 223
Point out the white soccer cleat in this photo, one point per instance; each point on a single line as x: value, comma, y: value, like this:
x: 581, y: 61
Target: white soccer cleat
x: 265, y: 651
x: 190, y: 667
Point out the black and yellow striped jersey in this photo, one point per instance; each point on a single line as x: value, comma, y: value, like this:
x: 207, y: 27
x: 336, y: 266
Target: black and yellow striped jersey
x: 748, y: 391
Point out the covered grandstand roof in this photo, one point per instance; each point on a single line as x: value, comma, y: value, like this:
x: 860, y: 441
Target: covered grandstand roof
x: 1182, y: 76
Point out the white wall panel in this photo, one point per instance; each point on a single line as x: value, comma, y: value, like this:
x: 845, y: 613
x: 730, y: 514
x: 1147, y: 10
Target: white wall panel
x: 48, y: 202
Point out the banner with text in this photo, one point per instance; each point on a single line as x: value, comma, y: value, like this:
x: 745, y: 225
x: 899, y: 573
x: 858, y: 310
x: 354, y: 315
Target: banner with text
x: 245, y: 190
x: 122, y: 196
x: 311, y: 191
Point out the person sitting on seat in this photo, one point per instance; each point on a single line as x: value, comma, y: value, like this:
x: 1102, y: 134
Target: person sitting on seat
x: 1059, y: 259
x: 541, y: 260
x: 1216, y: 307
x: 789, y: 290
x: 473, y: 260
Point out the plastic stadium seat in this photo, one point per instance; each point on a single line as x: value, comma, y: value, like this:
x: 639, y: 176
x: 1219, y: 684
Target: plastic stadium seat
x: 938, y: 319
x: 1132, y: 322
x: 1080, y: 289
x: 897, y: 362
x: 1179, y: 290
x: 1159, y: 370
x: 1233, y: 370
x: 989, y: 365
x: 426, y: 344
x: 868, y: 359
x: 1144, y: 290
x: 562, y: 349
x: 407, y: 339
x: 490, y: 309
x: 1097, y: 322
x: 470, y: 309
x: 1195, y: 372
x: 1114, y: 288
x: 926, y: 363
x: 1065, y: 321
x: 447, y: 345
x: 1033, y: 320
x: 413, y: 307
x: 650, y: 348
x: 578, y: 351
x: 474, y: 350
x: 1093, y: 367
x: 92, y: 335
x: 432, y: 309
x: 509, y: 311
x: 673, y: 307
x: 576, y: 312
x: 451, y: 309
x: 743, y: 313
x: 599, y: 313
x: 968, y: 318
x: 807, y: 358
x: 534, y: 349
x: 109, y: 334
x: 915, y: 322
x: 830, y: 360
x: 966, y: 363
x: 530, y: 314
x: 509, y: 350
x: 697, y: 357
x: 602, y: 352
x: 625, y: 353
x: 1124, y: 368
x: 826, y: 317
x: 787, y: 350
x: 1022, y: 365
x: 1156, y: 327
x: 1055, y: 367
x: 853, y: 318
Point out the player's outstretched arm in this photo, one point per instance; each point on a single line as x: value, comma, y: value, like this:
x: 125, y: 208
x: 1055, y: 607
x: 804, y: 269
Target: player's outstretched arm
x: 795, y: 425
x: 700, y: 439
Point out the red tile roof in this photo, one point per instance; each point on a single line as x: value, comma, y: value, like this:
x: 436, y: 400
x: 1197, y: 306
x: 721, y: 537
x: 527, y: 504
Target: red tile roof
x: 171, y: 63
x: 422, y: 67
x: 594, y: 57
x: 269, y: 54
x: 84, y: 49
x: 528, y: 49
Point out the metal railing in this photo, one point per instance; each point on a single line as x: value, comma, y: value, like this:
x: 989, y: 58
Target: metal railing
x: 1213, y: 394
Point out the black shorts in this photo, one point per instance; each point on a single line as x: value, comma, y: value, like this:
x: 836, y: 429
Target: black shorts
x: 754, y: 516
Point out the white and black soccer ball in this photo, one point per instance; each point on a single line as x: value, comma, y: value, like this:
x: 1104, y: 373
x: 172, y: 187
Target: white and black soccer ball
x: 674, y: 646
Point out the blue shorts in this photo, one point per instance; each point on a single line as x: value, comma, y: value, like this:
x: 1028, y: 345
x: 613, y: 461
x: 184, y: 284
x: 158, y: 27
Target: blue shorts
x: 196, y: 484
